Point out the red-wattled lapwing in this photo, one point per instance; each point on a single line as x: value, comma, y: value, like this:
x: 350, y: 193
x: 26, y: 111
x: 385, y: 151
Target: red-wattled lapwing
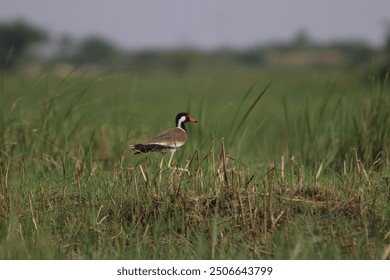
x: 169, y: 140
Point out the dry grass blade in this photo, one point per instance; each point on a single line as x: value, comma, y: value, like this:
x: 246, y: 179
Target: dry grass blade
x: 223, y: 163
x: 318, y: 172
x: 282, y: 169
x: 386, y: 252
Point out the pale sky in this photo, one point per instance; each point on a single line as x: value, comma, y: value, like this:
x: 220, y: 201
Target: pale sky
x: 205, y: 24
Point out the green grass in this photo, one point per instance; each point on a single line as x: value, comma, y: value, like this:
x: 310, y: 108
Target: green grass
x: 296, y: 170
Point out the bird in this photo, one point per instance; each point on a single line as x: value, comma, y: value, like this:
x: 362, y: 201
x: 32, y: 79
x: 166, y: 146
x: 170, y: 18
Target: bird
x: 169, y: 140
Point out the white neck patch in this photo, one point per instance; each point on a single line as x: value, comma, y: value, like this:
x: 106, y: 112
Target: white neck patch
x: 181, y: 120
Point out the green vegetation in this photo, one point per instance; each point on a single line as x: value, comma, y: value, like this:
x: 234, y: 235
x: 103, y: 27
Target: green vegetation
x: 296, y: 170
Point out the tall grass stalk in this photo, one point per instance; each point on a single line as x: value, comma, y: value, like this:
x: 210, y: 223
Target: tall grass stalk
x: 330, y: 132
x: 236, y: 123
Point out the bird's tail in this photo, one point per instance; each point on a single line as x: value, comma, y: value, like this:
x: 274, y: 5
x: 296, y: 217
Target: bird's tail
x: 146, y: 148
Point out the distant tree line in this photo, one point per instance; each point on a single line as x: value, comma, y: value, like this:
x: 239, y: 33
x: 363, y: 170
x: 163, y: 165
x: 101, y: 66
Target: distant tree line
x: 18, y: 38
x: 15, y: 40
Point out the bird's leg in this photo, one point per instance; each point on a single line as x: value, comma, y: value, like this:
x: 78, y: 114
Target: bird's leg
x: 170, y: 160
x: 177, y: 168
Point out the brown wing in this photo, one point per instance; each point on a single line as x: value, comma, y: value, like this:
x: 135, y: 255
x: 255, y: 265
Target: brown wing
x: 173, y: 137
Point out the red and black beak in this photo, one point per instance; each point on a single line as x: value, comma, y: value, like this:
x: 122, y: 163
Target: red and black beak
x: 191, y: 119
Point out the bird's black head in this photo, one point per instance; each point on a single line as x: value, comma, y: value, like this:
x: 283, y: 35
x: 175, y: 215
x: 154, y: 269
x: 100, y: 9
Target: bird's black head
x: 183, y: 118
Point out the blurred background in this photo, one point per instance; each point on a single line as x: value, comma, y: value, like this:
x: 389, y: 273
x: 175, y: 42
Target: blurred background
x: 108, y: 73
x: 295, y: 87
x: 178, y: 35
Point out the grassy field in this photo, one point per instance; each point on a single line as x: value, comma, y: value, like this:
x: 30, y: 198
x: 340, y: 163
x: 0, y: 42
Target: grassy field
x: 284, y: 164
